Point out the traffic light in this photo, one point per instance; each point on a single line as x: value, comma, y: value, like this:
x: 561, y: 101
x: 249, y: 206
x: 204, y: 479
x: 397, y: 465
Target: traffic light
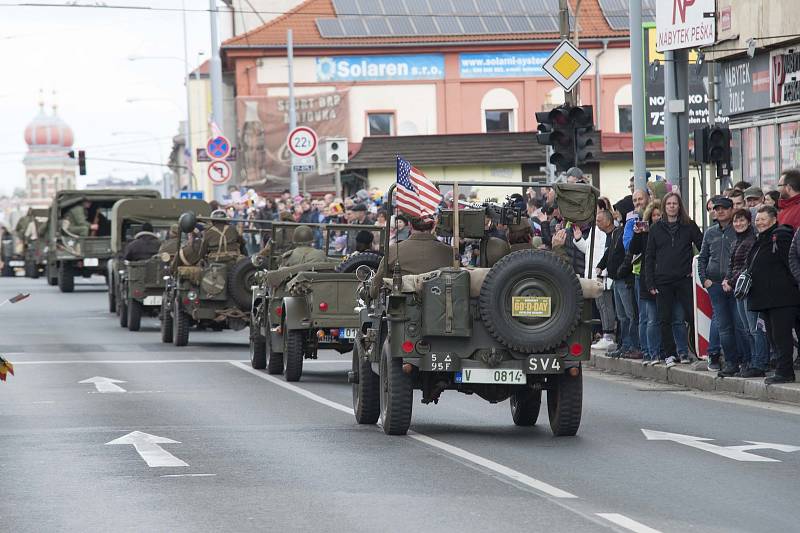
x: 81, y: 160
x: 701, y: 144
x: 719, y: 149
x: 336, y: 150
x: 582, y: 120
x: 555, y: 130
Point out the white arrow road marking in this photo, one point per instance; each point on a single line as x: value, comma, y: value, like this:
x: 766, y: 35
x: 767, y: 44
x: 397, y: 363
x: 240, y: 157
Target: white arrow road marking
x: 737, y: 453
x: 627, y: 523
x: 147, y: 446
x: 105, y: 384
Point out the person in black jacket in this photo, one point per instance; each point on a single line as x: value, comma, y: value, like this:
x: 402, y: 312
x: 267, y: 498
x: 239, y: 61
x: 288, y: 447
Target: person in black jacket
x: 774, y: 291
x: 624, y: 297
x: 144, y: 245
x: 668, y: 267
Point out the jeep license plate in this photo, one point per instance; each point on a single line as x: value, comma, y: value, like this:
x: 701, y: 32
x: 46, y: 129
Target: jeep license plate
x: 541, y: 364
x: 16, y: 263
x: 489, y: 375
x: 347, y: 333
x: 91, y: 262
x: 152, y: 300
x: 530, y: 306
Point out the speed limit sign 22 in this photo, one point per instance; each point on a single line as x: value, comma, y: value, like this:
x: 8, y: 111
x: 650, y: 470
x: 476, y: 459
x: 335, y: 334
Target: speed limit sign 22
x: 302, y: 141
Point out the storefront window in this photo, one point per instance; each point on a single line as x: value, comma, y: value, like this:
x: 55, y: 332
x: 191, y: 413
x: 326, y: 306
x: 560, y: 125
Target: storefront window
x: 769, y: 167
x: 736, y: 155
x: 750, y: 155
x: 790, y: 145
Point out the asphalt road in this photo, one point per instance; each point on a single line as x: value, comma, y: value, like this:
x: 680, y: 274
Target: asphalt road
x: 252, y: 453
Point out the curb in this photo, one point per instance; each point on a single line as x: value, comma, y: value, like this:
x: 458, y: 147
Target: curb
x: 703, y: 380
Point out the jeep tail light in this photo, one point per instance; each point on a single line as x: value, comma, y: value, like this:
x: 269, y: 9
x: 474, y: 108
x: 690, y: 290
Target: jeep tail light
x: 320, y: 333
x: 323, y: 306
x: 279, y: 311
x: 576, y: 349
x: 185, y: 301
x: 335, y: 332
x: 408, y: 346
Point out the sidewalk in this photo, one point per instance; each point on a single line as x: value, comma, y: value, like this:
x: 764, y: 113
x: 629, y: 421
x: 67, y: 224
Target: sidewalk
x: 703, y: 380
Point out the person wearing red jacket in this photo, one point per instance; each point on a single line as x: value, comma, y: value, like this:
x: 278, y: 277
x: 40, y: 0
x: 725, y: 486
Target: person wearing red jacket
x: 789, y: 203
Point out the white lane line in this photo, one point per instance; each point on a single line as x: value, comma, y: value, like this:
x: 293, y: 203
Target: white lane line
x: 482, y: 462
x: 188, y: 475
x: 627, y: 523
x: 127, y: 361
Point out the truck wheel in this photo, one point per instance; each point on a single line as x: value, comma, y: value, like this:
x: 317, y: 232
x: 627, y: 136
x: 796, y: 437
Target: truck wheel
x: 564, y: 403
x: 366, y: 399
x: 112, y: 300
x: 180, y: 328
x: 525, y: 407
x: 531, y: 273
x: 258, y: 349
x: 122, y: 311
x: 274, y: 359
x: 166, y: 323
x: 66, y: 278
x: 293, y: 358
x: 395, y: 394
x: 134, y: 315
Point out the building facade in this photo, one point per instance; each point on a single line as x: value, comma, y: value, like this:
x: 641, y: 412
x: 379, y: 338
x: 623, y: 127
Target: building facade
x: 48, y: 167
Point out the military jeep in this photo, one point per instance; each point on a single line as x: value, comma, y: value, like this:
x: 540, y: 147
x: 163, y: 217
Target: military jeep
x: 32, y: 233
x: 507, y: 329
x: 213, y: 294
x: 302, y: 309
x: 70, y: 254
x: 136, y: 287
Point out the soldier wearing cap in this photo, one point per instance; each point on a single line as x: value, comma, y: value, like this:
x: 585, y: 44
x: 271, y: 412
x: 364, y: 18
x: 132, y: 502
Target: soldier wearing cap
x: 754, y: 197
x: 303, y: 252
x: 421, y: 252
x: 221, y: 237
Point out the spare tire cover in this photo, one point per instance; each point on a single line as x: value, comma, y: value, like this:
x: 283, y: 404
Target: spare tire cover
x: 241, y: 278
x: 349, y: 265
x: 531, y: 273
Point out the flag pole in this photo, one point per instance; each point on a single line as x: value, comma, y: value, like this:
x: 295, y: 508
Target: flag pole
x: 397, y: 278
x: 456, y: 232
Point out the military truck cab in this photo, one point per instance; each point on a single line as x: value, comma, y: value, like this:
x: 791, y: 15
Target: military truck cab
x: 506, y: 331
x: 74, y: 248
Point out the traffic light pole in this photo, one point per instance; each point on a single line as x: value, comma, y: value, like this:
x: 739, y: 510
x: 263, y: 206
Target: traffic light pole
x: 637, y: 103
x: 563, y: 23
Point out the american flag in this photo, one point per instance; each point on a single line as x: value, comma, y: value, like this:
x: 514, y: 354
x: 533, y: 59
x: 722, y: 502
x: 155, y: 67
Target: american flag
x: 415, y: 194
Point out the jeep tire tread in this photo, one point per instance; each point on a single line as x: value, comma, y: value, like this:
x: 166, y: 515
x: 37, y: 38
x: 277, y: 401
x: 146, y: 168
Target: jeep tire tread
x: 396, y: 394
x: 52, y: 280
x: 112, y: 300
x: 564, y: 404
x: 258, y: 349
x: 166, y: 323
x: 293, y: 356
x: 349, y: 265
x: 122, y: 309
x: 525, y: 407
x: 274, y: 359
x: 240, y: 281
x: 180, y: 325
x: 134, y: 314
x: 366, y: 393
x: 66, y: 277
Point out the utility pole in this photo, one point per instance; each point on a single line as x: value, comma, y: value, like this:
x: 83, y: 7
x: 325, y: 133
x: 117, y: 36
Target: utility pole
x: 576, y: 91
x: 637, y: 87
x: 563, y: 24
x: 189, y: 159
x: 294, y: 186
x: 676, y: 119
x: 215, y: 68
x: 712, y: 114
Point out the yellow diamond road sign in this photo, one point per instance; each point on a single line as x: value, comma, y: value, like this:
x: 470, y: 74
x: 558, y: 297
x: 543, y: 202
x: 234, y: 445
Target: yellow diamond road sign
x: 566, y: 65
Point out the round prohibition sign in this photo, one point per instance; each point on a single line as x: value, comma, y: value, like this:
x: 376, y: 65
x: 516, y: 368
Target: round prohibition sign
x: 219, y: 172
x: 218, y: 147
x: 302, y: 141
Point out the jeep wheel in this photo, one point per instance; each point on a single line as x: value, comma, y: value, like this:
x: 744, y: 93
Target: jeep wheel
x: 31, y: 271
x: 166, y: 323
x: 274, y: 359
x: 293, y: 357
x: 112, y: 300
x: 134, y: 315
x: 366, y: 389
x: 240, y: 280
x: 396, y: 394
x: 7, y: 271
x: 52, y: 279
x: 349, y: 265
x: 258, y: 349
x: 122, y: 311
x: 530, y: 273
x: 564, y: 403
x: 525, y: 407
x: 66, y: 278
x: 180, y: 327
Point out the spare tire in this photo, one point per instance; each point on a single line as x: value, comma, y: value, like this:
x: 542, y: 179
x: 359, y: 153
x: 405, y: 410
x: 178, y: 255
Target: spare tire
x: 349, y: 265
x: 241, y: 277
x: 531, y: 273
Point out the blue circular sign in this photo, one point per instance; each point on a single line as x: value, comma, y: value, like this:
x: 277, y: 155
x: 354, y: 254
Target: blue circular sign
x: 218, y: 147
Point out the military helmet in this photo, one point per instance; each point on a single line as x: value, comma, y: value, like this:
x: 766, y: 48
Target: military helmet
x: 219, y: 213
x: 302, y: 235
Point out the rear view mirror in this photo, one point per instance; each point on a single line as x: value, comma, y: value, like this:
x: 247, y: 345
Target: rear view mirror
x: 364, y: 274
x: 187, y: 222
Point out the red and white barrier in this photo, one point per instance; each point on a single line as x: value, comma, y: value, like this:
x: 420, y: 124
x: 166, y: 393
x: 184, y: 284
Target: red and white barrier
x: 702, y: 314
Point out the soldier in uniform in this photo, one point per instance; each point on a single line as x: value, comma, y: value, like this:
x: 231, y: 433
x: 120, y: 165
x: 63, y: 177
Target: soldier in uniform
x: 303, y: 252
x: 76, y: 222
x: 172, y: 244
x: 144, y: 245
x: 221, y: 237
x: 421, y: 252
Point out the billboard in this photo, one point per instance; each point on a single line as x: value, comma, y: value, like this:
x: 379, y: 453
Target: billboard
x: 784, y: 76
x: 744, y: 85
x: 685, y: 24
x: 380, y: 68
x: 264, y: 158
x: 502, y: 64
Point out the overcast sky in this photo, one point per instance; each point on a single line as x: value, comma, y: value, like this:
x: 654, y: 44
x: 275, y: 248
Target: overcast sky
x: 82, y: 54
